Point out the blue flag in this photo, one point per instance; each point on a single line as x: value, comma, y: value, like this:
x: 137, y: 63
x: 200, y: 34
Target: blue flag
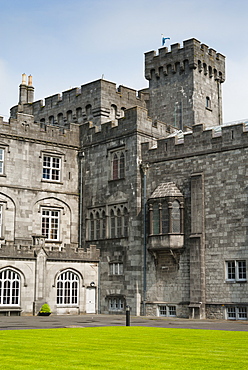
x: 164, y: 39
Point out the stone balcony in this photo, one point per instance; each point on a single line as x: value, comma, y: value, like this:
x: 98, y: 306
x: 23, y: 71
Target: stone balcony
x: 164, y: 242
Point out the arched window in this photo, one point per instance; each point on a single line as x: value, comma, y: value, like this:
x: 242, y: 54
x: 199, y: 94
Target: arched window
x: 122, y: 165
x: 119, y: 224
x: 69, y: 116
x: 92, y: 227
x: 88, y: 111
x: 175, y: 217
x: 103, y: 225
x: 97, y: 225
x: 208, y: 102
x: 118, y: 165
x: 123, y: 111
x: 125, y: 215
x: 78, y: 113
x: 156, y: 228
x: 51, y: 120
x: 60, y: 119
x: 165, y: 218
x: 43, y: 123
x: 9, y: 287
x: 112, y: 224
x: 115, y: 167
x: 113, y: 112
x: 67, y: 288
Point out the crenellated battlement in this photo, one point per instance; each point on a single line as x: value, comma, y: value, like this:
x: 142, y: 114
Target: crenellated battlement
x: 59, y: 253
x: 99, y: 101
x: 136, y: 119
x: 193, y: 55
x: 199, y: 141
x: 24, y: 127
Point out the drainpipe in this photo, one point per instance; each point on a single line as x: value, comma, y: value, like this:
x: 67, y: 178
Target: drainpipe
x: 81, y: 156
x: 144, y: 168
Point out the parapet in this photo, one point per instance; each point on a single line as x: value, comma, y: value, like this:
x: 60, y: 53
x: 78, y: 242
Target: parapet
x: 70, y: 252
x: 92, y: 99
x: 24, y: 127
x: 192, y: 55
x: 198, y: 141
x: 136, y: 120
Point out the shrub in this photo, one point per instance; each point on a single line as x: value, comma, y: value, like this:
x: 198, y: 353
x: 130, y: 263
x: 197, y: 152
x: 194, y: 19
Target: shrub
x: 45, y: 308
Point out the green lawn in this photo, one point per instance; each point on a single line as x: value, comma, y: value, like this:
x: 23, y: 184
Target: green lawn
x: 123, y: 348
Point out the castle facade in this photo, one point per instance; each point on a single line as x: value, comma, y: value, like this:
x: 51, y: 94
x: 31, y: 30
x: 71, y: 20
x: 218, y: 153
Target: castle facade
x: 111, y: 197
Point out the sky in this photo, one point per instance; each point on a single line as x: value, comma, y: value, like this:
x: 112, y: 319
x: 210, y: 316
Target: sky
x: 65, y: 44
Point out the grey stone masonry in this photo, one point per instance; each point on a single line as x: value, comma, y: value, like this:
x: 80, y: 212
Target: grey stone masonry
x: 185, y: 84
x: 112, y: 198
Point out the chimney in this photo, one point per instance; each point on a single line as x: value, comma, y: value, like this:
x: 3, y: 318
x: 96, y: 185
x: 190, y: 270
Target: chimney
x: 23, y: 90
x: 30, y: 90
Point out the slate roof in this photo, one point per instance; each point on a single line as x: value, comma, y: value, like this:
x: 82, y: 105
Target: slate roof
x: 166, y: 189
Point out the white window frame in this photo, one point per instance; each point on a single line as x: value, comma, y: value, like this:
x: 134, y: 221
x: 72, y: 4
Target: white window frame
x: 10, y: 284
x: 50, y: 224
x: 67, y: 288
x: 162, y: 310
x: 239, y: 273
x: 236, y: 313
x: 115, y: 268
x: 51, y: 171
x: 166, y: 310
x: 1, y: 161
x: 172, y: 311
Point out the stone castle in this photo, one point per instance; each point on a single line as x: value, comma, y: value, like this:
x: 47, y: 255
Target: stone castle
x: 111, y: 197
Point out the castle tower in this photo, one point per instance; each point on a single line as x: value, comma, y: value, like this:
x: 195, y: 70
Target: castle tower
x: 185, y: 84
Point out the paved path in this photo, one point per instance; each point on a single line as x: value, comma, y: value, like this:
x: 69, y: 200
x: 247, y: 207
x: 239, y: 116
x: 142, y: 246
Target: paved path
x: 38, y: 322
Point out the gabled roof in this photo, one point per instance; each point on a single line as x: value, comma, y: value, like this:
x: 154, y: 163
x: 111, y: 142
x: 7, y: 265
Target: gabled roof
x: 166, y: 189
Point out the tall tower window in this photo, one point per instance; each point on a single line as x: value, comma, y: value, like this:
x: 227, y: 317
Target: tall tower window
x: 208, y: 102
x: 118, y: 165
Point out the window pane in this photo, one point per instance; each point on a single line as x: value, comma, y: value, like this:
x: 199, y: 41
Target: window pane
x: 115, y: 167
x: 125, y: 222
x: 122, y: 165
x: 155, y: 219
x: 103, y: 225
x: 172, y: 310
x: 231, y: 270
x: 162, y: 311
x: 119, y: 224
x: 241, y: 265
x: 50, y: 224
x: 242, y: 312
x: 97, y: 226
x: 175, y: 217
x: 231, y: 313
x: 112, y: 224
x: 165, y: 218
